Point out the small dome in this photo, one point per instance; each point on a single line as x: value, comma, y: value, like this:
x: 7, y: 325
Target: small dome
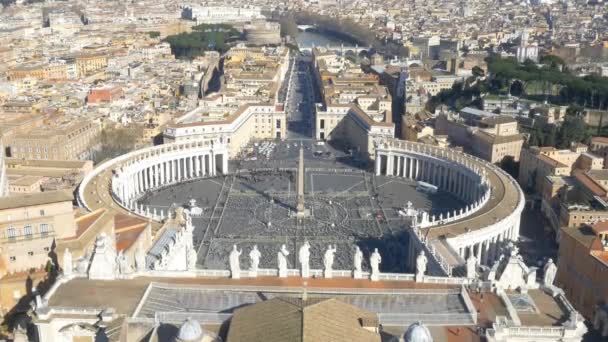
x: 190, y: 331
x: 417, y: 333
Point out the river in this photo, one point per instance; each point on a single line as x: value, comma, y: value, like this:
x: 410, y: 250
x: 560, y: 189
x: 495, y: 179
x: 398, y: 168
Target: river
x: 309, y: 38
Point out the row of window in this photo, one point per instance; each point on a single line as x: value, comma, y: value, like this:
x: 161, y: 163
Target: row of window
x: 12, y: 231
x: 13, y: 258
x: 26, y: 214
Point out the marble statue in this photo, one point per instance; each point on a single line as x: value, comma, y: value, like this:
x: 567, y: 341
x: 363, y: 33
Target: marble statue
x: 122, y: 260
x: 140, y: 258
x: 68, y: 265
x: 357, y: 261
x: 421, y: 262
x: 282, y: 261
x: 191, y: 259
x: 103, y: 262
x: 472, y: 266
x: 304, y: 258
x: 374, y: 261
x: 235, y: 266
x: 328, y: 261
x: 254, y: 258
x: 549, y: 273
x: 82, y: 265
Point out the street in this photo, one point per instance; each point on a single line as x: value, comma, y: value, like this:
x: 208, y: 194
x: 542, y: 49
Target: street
x: 300, y: 101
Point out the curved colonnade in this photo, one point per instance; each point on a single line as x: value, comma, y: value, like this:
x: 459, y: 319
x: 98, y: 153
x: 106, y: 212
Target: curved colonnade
x: 494, y: 200
x: 138, y: 172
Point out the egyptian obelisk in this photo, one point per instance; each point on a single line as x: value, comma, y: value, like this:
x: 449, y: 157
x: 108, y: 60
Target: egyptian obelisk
x: 301, y: 210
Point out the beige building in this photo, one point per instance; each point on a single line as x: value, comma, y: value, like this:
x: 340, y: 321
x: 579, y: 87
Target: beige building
x: 489, y: 137
x: 45, y: 175
x: 356, y: 109
x: 351, y: 125
x: 599, y: 146
x: 536, y: 163
x: 28, y: 226
x: 248, y: 123
x: 64, y: 141
x: 25, y: 185
x: 69, y: 67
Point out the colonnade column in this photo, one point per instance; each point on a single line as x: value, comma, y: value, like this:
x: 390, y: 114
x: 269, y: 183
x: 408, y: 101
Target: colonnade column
x: 409, y: 168
x: 212, y: 163
x: 163, y: 180
x: 197, y: 166
x: 398, y: 166
x: 486, y: 249
x: 178, y: 169
x: 225, y: 163
x: 478, y: 252
x: 389, y: 164
x: 378, y: 164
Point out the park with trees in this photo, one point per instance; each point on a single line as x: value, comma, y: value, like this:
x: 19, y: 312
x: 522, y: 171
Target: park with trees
x: 204, y: 37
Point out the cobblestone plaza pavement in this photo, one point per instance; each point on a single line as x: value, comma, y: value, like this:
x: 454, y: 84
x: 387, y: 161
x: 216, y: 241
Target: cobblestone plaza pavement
x: 255, y: 206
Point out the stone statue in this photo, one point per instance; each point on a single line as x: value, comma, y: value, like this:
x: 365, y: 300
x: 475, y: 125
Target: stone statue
x: 82, y: 265
x: 122, y: 260
x: 328, y: 261
x: 374, y: 261
x: 421, y: 262
x: 472, y: 266
x: 191, y: 259
x: 282, y: 261
x: 68, y: 266
x: 235, y: 266
x: 103, y: 263
x: 357, y: 261
x: 549, y: 273
x: 140, y: 258
x: 304, y: 258
x: 254, y: 258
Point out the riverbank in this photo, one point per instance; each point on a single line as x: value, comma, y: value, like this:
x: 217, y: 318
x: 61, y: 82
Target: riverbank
x: 347, y: 31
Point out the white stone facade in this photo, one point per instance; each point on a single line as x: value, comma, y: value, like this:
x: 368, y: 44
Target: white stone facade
x: 221, y: 14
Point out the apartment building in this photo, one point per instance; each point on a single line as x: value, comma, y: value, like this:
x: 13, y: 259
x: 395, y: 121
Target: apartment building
x: 536, y: 163
x: 64, y: 141
x: 355, y: 107
x: 244, y: 124
x: 64, y: 68
x: 583, y: 269
x: 29, y: 224
x: 486, y: 135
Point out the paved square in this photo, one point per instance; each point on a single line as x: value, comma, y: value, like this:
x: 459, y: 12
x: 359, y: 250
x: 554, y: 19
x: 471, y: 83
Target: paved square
x: 256, y: 206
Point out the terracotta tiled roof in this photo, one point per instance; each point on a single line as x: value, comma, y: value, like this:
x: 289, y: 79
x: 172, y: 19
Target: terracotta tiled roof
x: 589, y: 183
x: 550, y: 161
x: 600, y: 227
x: 84, y: 222
x: 600, y: 140
x: 125, y: 239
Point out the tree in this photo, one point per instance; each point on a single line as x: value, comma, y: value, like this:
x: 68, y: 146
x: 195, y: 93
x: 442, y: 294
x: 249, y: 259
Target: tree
x: 574, y: 110
x: 552, y: 61
x: 536, y: 137
x: 573, y: 130
x: 478, y: 72
x: 551, y: 137
x: 510, y: 166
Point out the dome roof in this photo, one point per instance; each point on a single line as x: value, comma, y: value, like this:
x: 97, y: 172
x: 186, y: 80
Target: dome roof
x: 417, y: 333
x: 190, y: 331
